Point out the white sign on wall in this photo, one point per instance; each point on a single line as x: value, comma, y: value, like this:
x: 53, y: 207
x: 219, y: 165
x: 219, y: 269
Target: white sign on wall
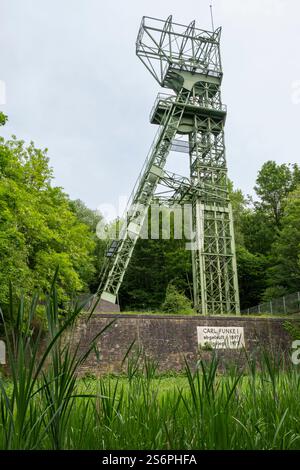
x: 2, y: 352
x: 221, y: 337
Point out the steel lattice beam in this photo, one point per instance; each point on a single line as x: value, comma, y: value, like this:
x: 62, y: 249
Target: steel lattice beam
x: 187, y: 60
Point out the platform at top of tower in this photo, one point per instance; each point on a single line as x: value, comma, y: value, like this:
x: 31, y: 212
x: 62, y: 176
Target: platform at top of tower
x: 163, y: 43
x: 215, y: 111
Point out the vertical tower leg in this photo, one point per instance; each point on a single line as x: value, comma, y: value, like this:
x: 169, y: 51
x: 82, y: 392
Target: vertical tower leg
x: 213, y: 257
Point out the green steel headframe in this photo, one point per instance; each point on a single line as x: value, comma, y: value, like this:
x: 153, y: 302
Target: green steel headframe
x: 191, y: 119
x: 162, y: 45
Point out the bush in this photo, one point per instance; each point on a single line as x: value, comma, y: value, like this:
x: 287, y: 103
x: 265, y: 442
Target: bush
x: 293, y: 329
x: 176, y: 302
x: 274, y: 292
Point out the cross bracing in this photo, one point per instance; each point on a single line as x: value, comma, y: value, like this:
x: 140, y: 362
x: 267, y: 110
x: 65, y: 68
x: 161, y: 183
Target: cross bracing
x: 191, y: 120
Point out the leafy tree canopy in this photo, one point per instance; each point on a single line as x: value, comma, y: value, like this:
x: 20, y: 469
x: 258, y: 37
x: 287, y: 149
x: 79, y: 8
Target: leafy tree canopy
x: 285, y: 269
x: 39, y: 228
x: 273, y: 184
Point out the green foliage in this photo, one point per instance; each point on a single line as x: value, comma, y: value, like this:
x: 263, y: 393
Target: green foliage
x: 3, y: 119
x: 43, y: 405
x: 91, y: 218
x: 268, y: 247
x: 293, y: 329
x: 176, y: 302
x: 254, y: 407
x: 154, y: 264
x: 273, y: 184
x: 261, y: 229
x: 38, y: 227
x: 43, y: 372
x: 273, y: 292
x: 258, y: 231
x: 239, y: 203
x: 252, y: 276
x: 285, y: 270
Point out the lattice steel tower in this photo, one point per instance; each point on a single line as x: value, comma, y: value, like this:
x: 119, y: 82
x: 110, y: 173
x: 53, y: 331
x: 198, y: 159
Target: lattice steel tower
x: 186, y: 60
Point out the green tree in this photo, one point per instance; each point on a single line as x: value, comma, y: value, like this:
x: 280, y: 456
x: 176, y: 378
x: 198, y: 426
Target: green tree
x: 273, y: 184
x: 239, y: 204
x: 176, y: 301
x: 285, y: 271
x: 253, y: 239
x: 91, y: 218
x: 258, y: 230
x: 38, y: 229
x: 3, y: 119
x: 155, y: 263
x: 252, y: 277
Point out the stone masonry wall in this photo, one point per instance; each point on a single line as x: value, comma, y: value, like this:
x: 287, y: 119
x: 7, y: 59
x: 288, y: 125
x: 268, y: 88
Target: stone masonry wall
x: 170, y: 340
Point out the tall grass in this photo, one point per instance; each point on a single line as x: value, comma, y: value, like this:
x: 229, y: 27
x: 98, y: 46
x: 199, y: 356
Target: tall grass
x: 43, y: 405
x: 200, y: 410
x: 36, y: 402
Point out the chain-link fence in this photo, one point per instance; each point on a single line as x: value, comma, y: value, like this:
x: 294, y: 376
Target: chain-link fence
x: 282, y: 306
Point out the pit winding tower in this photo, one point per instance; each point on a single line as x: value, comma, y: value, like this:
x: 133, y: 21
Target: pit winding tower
x: 191, y: 118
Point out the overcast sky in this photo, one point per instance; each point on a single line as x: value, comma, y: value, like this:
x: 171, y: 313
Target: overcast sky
x: 75, y: 86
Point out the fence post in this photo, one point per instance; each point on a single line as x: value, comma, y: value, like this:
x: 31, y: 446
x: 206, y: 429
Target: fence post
x: 271, y: 307
x: 2, y: 352
x: 284, y: 304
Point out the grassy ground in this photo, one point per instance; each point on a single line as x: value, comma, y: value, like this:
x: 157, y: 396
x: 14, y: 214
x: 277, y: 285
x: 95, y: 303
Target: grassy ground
x: 44, y: 406
x: 260, y: 315
x: 205, y: 410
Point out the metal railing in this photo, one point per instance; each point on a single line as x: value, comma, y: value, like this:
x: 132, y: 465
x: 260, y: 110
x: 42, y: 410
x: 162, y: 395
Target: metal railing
x: 165, y: 100
x: 285, y: 305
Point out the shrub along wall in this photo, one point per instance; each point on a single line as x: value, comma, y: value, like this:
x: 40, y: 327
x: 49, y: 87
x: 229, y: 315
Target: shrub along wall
x: 170, y: 340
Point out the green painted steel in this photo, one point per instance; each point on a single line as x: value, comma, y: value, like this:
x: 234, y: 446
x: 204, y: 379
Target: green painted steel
x: 186, y: 60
